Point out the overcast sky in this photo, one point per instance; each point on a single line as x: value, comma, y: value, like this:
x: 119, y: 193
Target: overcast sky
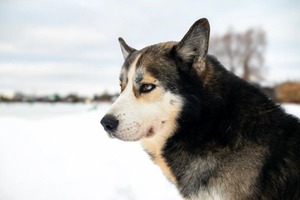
x: 49, y: 46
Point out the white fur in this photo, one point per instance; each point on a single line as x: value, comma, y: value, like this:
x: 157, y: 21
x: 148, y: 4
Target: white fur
x: 137, y: 118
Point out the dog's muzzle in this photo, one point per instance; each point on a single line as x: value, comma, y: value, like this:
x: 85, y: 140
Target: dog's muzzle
x: 109, y: 123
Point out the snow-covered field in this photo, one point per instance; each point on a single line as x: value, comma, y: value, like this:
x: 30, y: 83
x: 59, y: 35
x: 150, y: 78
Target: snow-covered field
x: 60, y: 152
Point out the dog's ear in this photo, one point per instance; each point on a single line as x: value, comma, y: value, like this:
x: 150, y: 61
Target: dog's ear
x: 194, y: 45
x: 126, y: 50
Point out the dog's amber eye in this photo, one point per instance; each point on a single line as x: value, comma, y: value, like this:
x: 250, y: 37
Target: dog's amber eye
x: 146, y: 87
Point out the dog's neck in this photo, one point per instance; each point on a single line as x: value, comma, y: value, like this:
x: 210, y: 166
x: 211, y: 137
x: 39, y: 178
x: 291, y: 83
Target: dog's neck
x: 154, y: 147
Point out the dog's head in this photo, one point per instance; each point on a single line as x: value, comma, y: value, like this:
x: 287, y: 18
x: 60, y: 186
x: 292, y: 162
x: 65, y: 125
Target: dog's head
x: 151, y: 97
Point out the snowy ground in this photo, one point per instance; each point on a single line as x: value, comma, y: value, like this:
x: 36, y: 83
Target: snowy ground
x: 60, y: 152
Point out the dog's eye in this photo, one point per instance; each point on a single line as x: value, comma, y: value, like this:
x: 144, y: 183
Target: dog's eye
x: 146, y: 87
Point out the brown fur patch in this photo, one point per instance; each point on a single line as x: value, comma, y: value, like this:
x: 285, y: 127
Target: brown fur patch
x: 153, y: 95
x: 154, y: 148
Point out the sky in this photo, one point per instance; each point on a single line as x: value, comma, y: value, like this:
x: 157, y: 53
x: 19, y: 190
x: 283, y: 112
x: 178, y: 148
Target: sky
x: 54, y: 46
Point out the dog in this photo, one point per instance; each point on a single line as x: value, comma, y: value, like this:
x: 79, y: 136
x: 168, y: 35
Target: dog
x: 214, y: 135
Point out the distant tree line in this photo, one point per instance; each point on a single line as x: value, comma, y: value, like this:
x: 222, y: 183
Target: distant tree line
x: 20, y: 97
x: 285, y: 92
x: 242, y: 52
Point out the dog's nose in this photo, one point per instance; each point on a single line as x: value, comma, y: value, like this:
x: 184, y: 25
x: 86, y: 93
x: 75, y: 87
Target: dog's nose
x: 110, y: 123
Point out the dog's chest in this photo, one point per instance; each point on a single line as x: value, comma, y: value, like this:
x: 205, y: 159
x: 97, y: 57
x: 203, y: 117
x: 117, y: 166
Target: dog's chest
x: 154, y: 148
x: 165, y: 168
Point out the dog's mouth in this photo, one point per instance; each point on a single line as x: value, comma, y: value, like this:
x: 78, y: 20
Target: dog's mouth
x: 111, y: 135
x: 135, y: 133
x: 150, y: 133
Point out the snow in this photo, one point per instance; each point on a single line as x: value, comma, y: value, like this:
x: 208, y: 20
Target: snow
x: 293, y: 109
x: 67, y: 155
x: 61, y: 152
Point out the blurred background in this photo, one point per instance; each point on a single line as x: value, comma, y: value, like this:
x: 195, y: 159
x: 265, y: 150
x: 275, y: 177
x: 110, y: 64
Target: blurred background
x: 51, y: 47
x: 59, y: 69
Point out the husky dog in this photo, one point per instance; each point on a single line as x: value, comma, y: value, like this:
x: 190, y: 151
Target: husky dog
x: 212, y: 134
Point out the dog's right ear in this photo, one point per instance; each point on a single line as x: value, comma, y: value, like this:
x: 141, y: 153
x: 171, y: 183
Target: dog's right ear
x: 194, y: 45
x: 126, y: 50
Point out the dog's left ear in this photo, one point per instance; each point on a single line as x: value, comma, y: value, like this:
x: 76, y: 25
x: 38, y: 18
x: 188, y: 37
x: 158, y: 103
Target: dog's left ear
x: 194, y: 45
x: 126, y: 50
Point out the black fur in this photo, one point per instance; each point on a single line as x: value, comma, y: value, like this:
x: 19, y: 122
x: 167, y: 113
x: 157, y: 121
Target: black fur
x: 218, y: 121
x: 230, y: 136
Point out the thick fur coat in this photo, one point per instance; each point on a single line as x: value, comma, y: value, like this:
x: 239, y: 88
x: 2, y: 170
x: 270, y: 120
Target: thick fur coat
x: 214, y: 135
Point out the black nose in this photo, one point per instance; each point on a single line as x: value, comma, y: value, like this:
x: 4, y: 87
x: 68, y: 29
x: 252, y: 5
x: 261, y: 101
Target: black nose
x: 110, y: 123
